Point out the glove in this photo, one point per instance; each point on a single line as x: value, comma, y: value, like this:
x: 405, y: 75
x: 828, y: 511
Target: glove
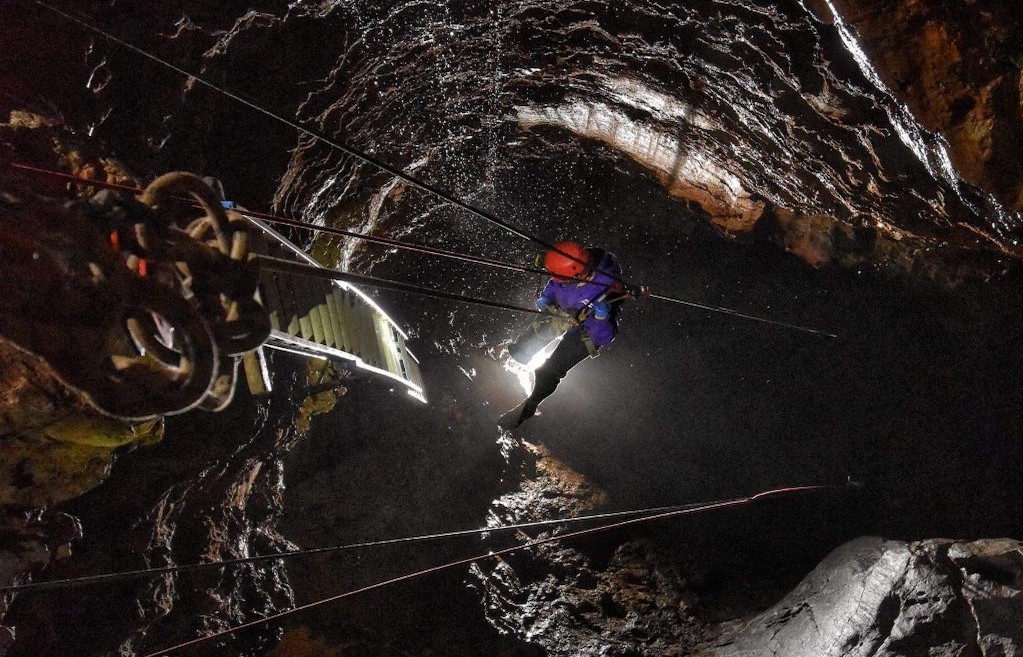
x: 601, y: 311
x: 638, y: 291
x: 543, y: 304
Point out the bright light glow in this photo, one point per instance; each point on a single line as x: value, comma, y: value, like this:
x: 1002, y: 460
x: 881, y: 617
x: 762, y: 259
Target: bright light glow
x: 524, y: 373
x: 384, y: 324
x: 300, y: 352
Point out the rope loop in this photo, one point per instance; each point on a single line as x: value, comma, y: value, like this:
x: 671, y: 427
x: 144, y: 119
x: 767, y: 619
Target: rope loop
x: 133, y: 301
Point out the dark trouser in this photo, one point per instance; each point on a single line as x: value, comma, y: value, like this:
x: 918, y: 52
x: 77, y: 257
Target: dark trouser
x: 572, y: 349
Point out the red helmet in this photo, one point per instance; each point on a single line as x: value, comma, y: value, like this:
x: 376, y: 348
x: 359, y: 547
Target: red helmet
x: 570, y: 260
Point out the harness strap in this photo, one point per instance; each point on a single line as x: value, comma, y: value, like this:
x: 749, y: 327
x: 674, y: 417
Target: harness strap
x: 588, y: 308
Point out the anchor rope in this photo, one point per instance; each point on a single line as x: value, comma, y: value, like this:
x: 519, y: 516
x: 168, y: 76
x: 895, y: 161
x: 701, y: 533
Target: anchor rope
x: 281, y: 556
x: 313, y: 271
x: 403, y: 287
x: 711, y: 506
x: 394, y: 171
x: 305, y: 225
x: 736, y: 313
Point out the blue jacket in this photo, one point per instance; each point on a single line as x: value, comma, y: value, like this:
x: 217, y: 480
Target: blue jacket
x: 601, y: 323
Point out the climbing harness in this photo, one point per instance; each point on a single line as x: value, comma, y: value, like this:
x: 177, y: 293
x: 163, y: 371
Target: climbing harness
x: 184, y: 293
x: 141, y: 314
x: 398, y: 173
x: 179, y: 361
x: 492, y: 555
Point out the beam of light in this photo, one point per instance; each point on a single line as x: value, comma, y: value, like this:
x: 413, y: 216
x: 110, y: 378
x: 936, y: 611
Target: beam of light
x: 524, y: 373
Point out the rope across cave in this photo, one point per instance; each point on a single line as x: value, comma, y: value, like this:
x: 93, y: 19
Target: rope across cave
x: 302, y: 269
x: 105, y: 578
x: 662, y: 513
x: 398, y: 173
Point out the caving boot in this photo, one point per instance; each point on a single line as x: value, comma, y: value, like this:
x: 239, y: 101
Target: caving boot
x: 517, y: 415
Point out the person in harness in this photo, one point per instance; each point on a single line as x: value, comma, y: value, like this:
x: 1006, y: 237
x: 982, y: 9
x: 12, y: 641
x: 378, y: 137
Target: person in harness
x: 580, y: 304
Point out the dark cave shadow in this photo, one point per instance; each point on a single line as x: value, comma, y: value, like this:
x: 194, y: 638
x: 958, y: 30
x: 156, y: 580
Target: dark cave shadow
x: 918, y: 402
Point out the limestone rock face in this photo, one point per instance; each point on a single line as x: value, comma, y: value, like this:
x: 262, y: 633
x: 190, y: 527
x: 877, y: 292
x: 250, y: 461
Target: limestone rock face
x: 959, y: 67
x: 632, y: 602
x: 870, y: 597
x: 211, y: 491
x: 886, y: 598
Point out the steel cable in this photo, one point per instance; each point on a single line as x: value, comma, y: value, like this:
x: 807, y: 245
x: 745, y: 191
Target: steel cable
x: 318, y: 136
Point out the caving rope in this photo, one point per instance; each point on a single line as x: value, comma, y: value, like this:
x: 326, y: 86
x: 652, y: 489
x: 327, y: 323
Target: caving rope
x: 480, y: 531
x: 493, y: 555
x: 304, y: 269
x: 642, y: 515
x: 327, y: 230
x: 234, y: 323
x: 300, y: 268
x: 144, y: 309
x: 396, y: 172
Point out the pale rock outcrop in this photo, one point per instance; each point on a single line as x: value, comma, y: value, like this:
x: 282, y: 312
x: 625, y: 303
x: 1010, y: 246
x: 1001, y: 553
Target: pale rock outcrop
x: 879, y: 598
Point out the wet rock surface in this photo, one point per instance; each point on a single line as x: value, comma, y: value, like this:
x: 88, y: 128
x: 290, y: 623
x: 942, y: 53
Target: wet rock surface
x: 735, y: 154
x: 958, y: 67
x: 877, y: 597
x: 629, y: 602
x: 382, y: 466
x: 757, y: 116
x: 211, y: 491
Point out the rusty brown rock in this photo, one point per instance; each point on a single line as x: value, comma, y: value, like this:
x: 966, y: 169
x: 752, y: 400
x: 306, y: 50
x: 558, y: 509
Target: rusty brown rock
x: 957, y: 67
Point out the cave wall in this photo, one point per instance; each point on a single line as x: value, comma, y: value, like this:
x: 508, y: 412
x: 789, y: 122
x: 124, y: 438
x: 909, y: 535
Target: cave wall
x: 958, y: 67
x: 877, y: 597
x: 224, y: 499
x: 211, y: 490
